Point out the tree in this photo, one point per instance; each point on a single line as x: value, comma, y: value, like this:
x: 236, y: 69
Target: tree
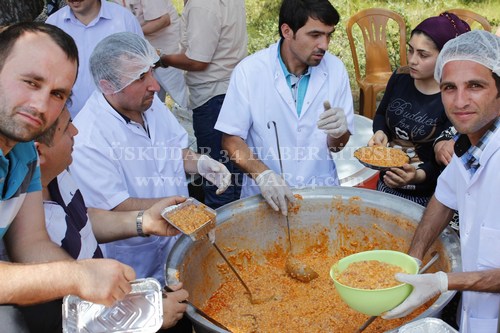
x: 14, y: 11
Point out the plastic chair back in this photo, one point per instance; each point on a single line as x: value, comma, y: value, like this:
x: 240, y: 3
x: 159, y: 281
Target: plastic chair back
x: 473, y: 19
x: 374, y: 24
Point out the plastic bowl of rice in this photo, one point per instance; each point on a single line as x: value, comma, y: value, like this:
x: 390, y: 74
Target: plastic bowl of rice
x: 365, y: 280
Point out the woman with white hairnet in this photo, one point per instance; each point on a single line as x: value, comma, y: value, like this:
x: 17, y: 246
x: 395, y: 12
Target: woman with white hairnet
x: 136, y: 149
x: 468, y: 69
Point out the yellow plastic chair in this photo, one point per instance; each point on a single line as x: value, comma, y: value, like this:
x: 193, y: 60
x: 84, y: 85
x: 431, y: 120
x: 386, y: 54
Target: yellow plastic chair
x: 374, y: 24
x: 473, y: 19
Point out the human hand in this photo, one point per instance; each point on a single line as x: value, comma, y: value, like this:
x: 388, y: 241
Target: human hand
x: 152, y: 221
x: 444, y: 150
x: 103, y: 281
x: 332, y: 121
x: 215, y: 172
x: 399, y: 177
x: 425, y: 287
x: 173, y: 306
x: 378, y: 139
x: 275, y: 190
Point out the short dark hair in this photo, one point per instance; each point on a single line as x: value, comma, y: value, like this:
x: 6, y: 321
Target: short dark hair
x: 11, y: 34
x: 295, y: 13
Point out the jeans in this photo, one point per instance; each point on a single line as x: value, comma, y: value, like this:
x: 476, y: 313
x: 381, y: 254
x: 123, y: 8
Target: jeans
x: 209, y: 142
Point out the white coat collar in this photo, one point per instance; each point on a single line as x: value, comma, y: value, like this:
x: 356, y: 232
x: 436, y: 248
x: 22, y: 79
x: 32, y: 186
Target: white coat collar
x: 319, y: 76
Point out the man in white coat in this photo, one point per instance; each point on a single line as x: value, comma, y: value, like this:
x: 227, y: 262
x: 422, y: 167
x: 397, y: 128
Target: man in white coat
x: 468, y: 69
x: 131, y: 151
x: 290, y: 86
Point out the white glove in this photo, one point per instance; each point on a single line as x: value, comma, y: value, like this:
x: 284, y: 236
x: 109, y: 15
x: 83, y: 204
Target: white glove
x: 333, y: 121
x: 425, y: 287
x: 215, y: 172
x: 275, y: 190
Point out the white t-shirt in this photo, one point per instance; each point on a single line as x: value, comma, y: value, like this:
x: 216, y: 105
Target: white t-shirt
x: 168, y: 38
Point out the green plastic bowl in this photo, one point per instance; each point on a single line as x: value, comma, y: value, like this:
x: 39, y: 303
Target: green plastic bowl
x: 377, y: 301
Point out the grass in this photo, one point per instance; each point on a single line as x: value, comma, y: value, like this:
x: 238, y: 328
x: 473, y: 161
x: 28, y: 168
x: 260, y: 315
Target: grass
x: 262, y: 21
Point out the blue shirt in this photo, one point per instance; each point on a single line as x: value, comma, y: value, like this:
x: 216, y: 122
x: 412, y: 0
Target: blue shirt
x: 19, y: 174
x: 112, y: 18
x: 297, y: 84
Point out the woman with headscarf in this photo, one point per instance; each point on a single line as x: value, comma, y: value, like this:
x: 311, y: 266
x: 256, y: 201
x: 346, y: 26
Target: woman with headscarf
x: 411, y: 114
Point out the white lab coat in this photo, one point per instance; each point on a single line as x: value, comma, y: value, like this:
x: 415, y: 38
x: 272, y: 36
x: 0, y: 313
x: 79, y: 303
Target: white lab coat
x: 477, y: 201
x: 114, y: 160
x: 258, y: 93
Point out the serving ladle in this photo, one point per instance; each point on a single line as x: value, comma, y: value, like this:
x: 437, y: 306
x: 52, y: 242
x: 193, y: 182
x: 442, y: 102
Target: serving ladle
x: 293, y: 266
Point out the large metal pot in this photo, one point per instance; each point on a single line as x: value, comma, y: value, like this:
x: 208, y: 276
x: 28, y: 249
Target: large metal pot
x: 250, y: 224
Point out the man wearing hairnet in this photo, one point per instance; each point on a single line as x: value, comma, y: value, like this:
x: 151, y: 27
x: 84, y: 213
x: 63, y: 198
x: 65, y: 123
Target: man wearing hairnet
x: 468, y: 70
x: 131, y: 151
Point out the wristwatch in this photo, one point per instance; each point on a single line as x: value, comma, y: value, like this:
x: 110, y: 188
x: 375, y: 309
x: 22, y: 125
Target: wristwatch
x: 138, y: 224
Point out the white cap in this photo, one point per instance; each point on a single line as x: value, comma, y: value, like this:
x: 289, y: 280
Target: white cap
x: 477, y: 45
x: 120, y: 59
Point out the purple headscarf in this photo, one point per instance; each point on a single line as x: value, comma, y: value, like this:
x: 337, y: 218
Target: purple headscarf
x: 442, y: 28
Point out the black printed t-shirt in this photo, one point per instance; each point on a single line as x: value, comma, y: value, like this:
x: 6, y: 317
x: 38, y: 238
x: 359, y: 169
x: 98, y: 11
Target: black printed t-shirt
x: 407, y: 114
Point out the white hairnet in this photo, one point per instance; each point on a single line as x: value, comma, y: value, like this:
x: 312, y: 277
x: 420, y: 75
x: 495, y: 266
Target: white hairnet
x: 120, y: 59
x: 478, y: 45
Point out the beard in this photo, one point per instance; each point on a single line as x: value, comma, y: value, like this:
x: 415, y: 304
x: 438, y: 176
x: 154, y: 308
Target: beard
x: 19, y: 131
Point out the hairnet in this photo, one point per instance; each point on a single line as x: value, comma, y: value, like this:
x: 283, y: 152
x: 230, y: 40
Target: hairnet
x: 120, y: 59
x: 478, y: 45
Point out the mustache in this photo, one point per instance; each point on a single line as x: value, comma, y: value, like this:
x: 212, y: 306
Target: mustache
x: 33, y: 113
x: 319, y: 52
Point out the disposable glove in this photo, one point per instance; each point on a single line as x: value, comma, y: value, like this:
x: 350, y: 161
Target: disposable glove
x: 215, y: 172
x: 275, y: 190
x: 425, y: 287
x: 332, y: 121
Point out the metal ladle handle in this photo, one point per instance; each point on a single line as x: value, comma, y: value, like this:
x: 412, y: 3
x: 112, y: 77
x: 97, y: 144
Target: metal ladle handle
x: 282, y: 175
x: 233, y: 269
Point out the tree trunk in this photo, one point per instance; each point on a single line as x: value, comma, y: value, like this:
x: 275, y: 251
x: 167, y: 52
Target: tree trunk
x: 14, y: 11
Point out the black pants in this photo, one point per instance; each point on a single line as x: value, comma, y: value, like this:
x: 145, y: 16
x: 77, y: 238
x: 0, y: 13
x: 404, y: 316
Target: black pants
x: 43, y: 318
x: 183, y: 326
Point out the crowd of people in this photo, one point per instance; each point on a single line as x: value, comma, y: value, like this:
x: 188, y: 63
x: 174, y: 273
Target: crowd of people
x: 90, y: 154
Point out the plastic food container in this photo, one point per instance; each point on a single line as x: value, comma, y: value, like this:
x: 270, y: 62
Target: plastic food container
x: 428, y: 325
x: 141, y: 311
x: 191, y: 217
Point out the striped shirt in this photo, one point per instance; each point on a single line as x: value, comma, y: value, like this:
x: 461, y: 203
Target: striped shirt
x: 66, y: 219
x: 469, y: 154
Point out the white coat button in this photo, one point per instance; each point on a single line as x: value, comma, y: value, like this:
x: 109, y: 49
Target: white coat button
x: 298, y: 130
